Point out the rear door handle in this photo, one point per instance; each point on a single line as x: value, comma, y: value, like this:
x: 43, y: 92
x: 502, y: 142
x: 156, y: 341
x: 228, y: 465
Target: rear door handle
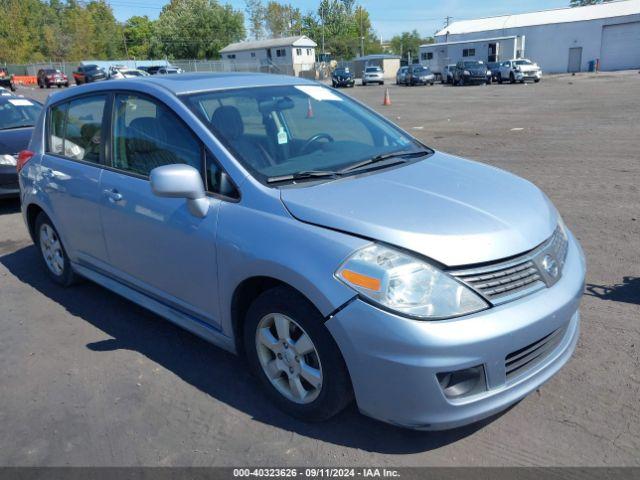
x: 113, y: 195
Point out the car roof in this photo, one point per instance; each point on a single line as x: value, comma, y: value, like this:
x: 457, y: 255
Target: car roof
x: 6, y: 98
x: 193, y: 82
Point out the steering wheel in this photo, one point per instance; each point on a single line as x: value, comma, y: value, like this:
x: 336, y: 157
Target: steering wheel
x: 313, y: 140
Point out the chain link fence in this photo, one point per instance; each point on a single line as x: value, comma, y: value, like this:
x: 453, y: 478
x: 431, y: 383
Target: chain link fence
x: 317, y: 71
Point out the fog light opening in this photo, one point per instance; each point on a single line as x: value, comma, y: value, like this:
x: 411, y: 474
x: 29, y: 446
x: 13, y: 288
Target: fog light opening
x: 462, y: 383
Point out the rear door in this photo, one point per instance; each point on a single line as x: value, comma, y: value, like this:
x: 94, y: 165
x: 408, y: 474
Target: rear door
x: 72, y: 167
x: 154, y: 244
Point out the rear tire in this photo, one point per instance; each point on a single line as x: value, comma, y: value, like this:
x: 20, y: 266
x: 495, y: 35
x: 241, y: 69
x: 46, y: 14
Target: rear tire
x: 52, y: 253
x: 279, y: 318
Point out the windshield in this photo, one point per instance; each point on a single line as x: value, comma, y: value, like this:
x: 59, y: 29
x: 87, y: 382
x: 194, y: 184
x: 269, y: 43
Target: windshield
x: 473, y: 64
x: 373, y: 69
x: 18, y: 112
x: 286, y: 130
x: 522, y: 62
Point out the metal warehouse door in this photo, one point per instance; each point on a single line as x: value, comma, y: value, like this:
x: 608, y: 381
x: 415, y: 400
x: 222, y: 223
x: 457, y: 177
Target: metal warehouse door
x: 620, y: 46
x: 575, y: 59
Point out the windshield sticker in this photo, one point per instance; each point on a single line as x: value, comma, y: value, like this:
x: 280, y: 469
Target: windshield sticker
x: 319, y: 93
x: 282, y: 137
x: 20, y: 102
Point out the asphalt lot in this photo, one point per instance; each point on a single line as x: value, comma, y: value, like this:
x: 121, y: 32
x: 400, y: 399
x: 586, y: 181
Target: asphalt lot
x: 87, y: 378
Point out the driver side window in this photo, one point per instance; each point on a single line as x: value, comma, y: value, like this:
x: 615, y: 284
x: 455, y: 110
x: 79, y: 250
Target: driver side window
x: 147, y: 135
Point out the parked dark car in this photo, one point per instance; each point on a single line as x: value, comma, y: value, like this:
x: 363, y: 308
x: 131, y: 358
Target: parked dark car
x: 471, y: 72
x: 48, y: 77
x: 89, y: 74
x: 169, y: 71
x: 342, y: 77
x: 494, y: 67
x: 17, y: 117
x: 419, y: 75
x: 152, y: 70
x: 6, y: 80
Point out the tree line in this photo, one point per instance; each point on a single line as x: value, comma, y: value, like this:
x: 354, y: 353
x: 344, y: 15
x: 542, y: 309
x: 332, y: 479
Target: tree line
x: 74, y: 30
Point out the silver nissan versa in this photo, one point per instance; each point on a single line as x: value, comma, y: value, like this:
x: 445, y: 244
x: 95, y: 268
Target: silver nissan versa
x: 282, y: 220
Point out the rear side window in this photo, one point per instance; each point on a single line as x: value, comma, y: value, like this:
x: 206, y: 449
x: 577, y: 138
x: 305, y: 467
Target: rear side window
x: 147, y: 135
x: 75, y: 129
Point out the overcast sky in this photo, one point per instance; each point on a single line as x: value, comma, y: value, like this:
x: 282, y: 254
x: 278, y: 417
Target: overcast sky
x: 389, y: 17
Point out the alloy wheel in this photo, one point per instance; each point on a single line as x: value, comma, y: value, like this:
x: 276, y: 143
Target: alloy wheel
x: 289, y: 358
x: 51, y: 249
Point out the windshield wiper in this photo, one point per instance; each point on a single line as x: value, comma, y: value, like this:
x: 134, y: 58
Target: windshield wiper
x: 403, y: 154
x: 15, y: 126
x: 304, y: 175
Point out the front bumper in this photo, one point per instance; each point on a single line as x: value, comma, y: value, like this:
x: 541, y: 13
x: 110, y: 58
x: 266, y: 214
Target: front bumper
x: 423, y: 81
x: 344, y: 83
x: 9, y: 187
x: 475, y: 80
x: 528, y: 76
x: 393, y: 361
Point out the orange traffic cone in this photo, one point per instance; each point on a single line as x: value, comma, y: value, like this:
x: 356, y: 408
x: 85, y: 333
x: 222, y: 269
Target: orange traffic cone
x: 387, y: 98
x: 309, y: 110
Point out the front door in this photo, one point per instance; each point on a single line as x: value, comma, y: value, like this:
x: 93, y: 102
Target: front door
x: 575, y: 60
x: 156, y: 245
x: 71, y: 171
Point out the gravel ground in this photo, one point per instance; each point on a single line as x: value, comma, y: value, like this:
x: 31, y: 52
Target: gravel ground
x: 87, y: 378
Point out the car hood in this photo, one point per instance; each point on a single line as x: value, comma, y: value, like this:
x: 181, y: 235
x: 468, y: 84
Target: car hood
x: 14, y: 140
x: 528, y: 68
x: 452, y: 210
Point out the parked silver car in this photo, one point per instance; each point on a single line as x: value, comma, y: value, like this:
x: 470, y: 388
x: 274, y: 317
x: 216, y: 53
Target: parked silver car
x: 282, y: 220
x: 447, y: 74
x: 373, y: 75
x: 401, y: 75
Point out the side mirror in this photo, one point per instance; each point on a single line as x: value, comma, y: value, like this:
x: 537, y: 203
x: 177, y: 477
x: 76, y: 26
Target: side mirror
x: 181, y: 181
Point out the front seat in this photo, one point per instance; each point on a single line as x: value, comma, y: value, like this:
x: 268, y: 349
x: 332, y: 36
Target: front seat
x: 145, y: 138
x: 227, y: 121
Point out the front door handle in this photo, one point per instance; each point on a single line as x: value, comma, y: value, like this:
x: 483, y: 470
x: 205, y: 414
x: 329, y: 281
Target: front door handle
x: 113, y: 195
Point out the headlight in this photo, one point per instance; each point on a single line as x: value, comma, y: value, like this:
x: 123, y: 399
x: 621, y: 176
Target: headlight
x: 407, y: 285
x: 8, y: 160
x: 466, y: 72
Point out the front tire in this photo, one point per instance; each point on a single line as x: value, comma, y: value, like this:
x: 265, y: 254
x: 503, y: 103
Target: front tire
x: 52, y: 252
x: 295, y: 357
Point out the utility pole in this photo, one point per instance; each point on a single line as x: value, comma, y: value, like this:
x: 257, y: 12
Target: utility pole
x: 322, y: 18
x: 361, y: 34
x: 126, y: 50
x: 447, y: 21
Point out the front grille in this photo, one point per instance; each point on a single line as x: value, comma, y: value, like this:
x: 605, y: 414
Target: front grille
x: 509, y: 280
x: 520, y: 361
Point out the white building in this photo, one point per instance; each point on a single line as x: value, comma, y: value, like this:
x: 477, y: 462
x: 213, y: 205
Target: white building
x: 561, y: 40
x: 292, y: 55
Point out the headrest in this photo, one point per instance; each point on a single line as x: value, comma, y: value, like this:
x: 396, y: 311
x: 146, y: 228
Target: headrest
x: 142, y: 135
x: 228, y: 122
x: 90, y: 132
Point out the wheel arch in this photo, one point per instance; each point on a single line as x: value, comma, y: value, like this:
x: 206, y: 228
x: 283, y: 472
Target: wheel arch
x: 244, y: 295
x: 31, y: 213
